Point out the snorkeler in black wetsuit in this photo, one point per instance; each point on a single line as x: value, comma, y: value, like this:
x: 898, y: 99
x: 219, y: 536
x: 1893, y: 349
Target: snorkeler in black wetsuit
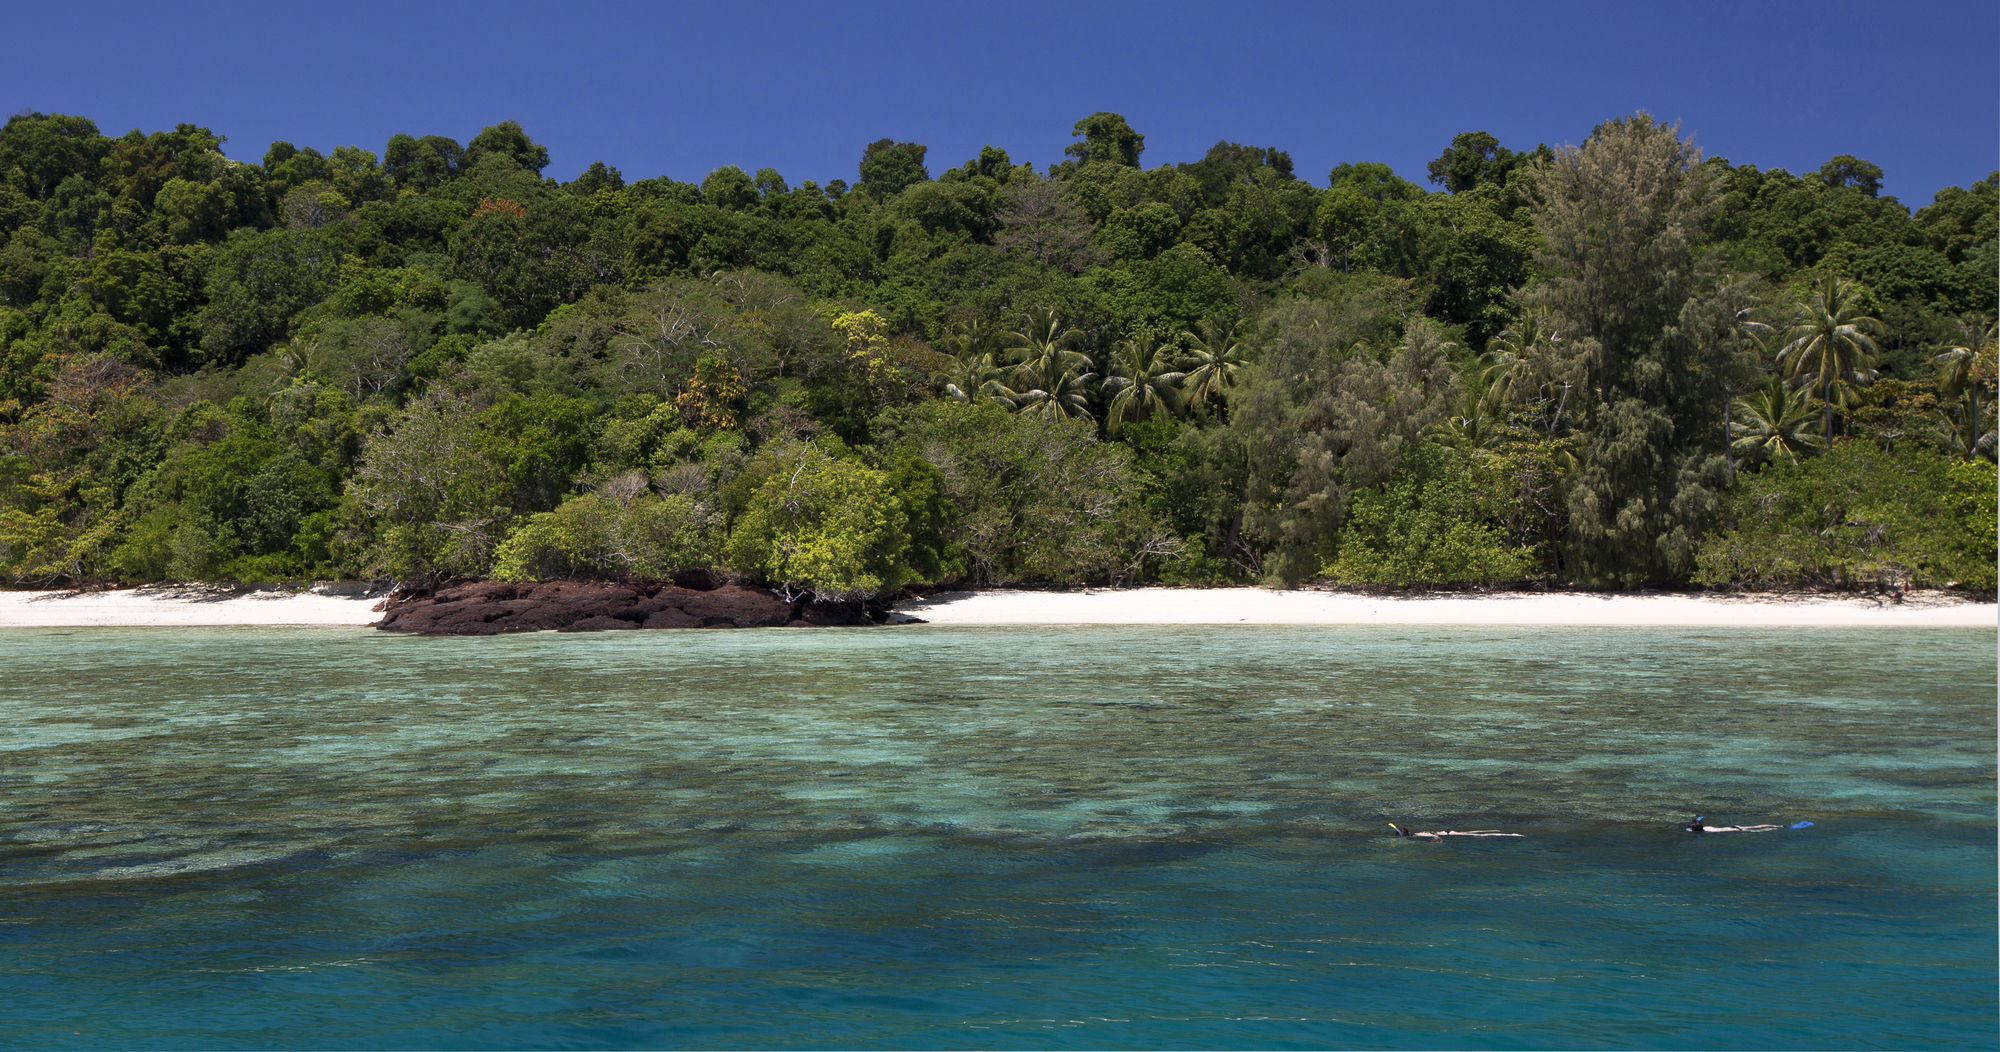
x: 1437, y: 835
x: 1697, y: 826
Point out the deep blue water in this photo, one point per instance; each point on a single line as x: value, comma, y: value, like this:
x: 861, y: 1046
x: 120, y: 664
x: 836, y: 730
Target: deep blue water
x: 930, y: 837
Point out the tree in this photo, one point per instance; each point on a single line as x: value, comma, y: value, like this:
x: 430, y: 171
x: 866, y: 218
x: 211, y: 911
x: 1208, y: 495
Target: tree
x: 1858, y: 516
x: 506, y: 139
x: 1968, y: 372
x: 1314, y: 426
x: 1036, y: 499
x: 1773, y: 422
x: 1829, y: 344
x: 1143, y: 383
x: 1847, y: 170
x: 729, y: 188
x: 1474, y: 159
x: 1045, y: 340
x: 646, y: 536
x: 973, y: 378
x: 889, y: 167
x: 823, y: 525
x: 1107, y: 139
x: 1969, y: 359
x: 1432, y: 523
x: 257, y: 282
x: 422, y: 164
x: 1621, y: 274
x: 1037, y: 219
x: 1345, y: 221
x: 1056, y: 386
x: 64, y: 464
x: 431, y: 492
x: 1526, y: 367
x: 1215, y: 358
x: 47, y: 148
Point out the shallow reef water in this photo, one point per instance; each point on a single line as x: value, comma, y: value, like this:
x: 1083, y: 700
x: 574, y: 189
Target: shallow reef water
x: 957, y: 837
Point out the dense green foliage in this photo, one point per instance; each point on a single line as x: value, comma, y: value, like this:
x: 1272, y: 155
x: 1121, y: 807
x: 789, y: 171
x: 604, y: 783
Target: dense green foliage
x: 1606, y: 365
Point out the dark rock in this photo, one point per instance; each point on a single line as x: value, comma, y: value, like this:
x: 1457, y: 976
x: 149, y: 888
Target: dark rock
x: 833, y: 614
x: 491, y: 607
x: 598, y: 623
x: 671, y: 617
x: 697, y: 580
x: 741, y: 607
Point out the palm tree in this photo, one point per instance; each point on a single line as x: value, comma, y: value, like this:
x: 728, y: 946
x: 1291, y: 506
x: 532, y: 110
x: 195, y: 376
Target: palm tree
x: 1773, y: 422
x: 1966, y: 425
x: 1750, y: 340
x: 1829, y: 344
x: 1961, y: 363
x: 1142, y: 384
x: 973, y: 378
x: 1055, y: 388
x: 1213, y: 362
x: 1520, y: 360
x: 1045, y: 339
x: 1476, y: 425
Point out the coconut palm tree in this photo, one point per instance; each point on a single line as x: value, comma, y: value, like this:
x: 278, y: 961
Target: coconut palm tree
x: 1480, y: 414
x: 1520, y: 360
x: 1773, y: 422
x: 1970, y: 359
x: 1143, y: 383
x: 1052, y: 387
x: 1829, y: 344
x: 1966, y: 374
x: 1215, y: 358
x: 973, y: 378
x: 1044, y: 339
x: 973, y: 336
x: 1966, y: 425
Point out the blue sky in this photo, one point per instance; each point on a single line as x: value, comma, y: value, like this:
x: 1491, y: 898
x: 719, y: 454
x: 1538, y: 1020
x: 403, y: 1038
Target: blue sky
x: 680, y: 89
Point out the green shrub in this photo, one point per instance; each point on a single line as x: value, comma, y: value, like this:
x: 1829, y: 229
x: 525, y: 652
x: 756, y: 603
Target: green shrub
x: 1430, y: 524
x: 828, y: 526
x: 648, y: 537
x: 1858, y: 516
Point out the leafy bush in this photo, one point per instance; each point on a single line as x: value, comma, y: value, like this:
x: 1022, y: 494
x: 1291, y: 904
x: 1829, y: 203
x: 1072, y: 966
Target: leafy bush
x: 1432, y: 523
x: 1858, y: 516
x: 648, y: 537
x: 828, y: 526
x: 1035, y: 499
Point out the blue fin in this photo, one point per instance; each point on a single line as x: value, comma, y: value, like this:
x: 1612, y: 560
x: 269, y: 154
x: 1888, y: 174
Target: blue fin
x: 1800, y: 825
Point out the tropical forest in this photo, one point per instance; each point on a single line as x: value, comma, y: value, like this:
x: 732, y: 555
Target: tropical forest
x: 1611, y: 365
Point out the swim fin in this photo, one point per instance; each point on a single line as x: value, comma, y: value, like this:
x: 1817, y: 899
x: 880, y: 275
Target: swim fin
x: 1800, y: 825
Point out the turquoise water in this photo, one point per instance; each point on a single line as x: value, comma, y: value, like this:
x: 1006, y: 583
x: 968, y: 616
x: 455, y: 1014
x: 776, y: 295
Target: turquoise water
x: 933, y: 837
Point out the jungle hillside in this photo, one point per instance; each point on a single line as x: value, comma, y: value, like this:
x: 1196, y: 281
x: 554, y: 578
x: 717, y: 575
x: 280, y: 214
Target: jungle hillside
x: 1610, y: 365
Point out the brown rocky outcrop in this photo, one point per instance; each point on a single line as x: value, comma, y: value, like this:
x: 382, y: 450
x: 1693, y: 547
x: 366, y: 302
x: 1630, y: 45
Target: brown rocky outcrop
x: 486, y: 608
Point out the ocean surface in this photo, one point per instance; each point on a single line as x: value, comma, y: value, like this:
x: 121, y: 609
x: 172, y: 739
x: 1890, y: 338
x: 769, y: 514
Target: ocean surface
x: 934, y: 837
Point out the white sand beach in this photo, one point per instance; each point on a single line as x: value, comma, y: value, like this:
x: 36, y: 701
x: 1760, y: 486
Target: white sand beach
x: 1258, y: 606
x: 184, y: 607
x: 197, y: 607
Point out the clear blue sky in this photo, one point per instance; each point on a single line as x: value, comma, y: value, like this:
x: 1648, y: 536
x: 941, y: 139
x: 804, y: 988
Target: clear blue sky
x: 680, y: 89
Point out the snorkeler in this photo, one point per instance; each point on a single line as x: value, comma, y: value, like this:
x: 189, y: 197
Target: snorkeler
x: 1438, y: 835
x: 1696, y: 826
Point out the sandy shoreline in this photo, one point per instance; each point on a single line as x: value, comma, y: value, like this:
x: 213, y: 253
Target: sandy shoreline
x: 1256, y: 606
x: 185, y: 607
x: 193, y: 607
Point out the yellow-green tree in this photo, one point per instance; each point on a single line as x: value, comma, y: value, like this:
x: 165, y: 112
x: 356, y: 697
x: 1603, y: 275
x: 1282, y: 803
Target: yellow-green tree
x: 824, y: 526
